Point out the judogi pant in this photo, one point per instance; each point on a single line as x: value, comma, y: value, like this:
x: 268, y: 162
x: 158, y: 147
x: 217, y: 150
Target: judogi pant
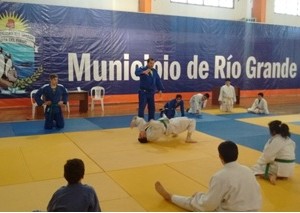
x: 227, y: 105
x: 146, y: 98
x: 54, y: 113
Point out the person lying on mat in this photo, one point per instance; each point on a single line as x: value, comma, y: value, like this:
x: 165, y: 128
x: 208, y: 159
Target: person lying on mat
x: 260, y: 105
x: 155, y: 129
x: 278, y: 158
x: 75, y: 197
x: 234, y: 188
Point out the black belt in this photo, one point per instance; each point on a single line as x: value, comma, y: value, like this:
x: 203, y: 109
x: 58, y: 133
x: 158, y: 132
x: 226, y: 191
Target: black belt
x: 146, y: 90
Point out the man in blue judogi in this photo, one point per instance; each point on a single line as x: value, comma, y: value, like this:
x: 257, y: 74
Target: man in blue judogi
x: 170, y: 107
x: 149, y: 83
x: 53, y: 96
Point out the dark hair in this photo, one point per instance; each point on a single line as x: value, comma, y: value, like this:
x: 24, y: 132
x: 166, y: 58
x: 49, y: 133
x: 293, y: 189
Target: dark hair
x: 150, y: 59
x: 51, y: 76
x: 261, y: 94
x: 206, y: 95
x: 74, y: 170
x: 143, y: 140
x: 227, y: 79
x: 228, y: 150
x: 178, y: 96
x: 277, y: 127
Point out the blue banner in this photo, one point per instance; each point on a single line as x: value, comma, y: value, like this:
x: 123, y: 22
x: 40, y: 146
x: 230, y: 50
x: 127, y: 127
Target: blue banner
x: 88, y: 47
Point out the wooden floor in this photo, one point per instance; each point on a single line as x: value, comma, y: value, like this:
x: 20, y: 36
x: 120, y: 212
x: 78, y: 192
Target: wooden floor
x: 291, y: 106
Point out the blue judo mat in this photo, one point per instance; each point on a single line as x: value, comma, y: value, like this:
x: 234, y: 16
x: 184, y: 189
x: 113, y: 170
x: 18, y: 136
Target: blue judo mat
x: 25, y: 128
x: 243, y: 115
x: 225, y: 127
x: 296, y: 123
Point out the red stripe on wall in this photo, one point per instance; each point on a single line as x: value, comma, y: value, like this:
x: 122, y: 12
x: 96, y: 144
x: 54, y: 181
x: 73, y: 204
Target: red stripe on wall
x: 164, y: 97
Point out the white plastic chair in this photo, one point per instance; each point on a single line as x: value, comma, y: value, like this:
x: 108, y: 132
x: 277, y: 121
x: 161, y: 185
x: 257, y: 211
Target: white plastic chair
x: 33, y: 103
x: 97, y: 94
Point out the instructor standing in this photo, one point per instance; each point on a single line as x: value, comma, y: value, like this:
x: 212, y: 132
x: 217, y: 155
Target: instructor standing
x: 149, y: 83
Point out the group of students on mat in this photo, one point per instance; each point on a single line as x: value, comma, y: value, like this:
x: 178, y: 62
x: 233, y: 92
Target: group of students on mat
x: 233, y: 188
x: 227, y: 98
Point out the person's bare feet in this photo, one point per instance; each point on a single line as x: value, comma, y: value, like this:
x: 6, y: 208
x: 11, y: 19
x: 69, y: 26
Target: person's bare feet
x: 272, y: 179
x: 133, y: 122
x: 161, y: 190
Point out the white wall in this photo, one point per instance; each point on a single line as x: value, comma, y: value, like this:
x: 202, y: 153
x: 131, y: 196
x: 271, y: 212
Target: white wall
x: 166, y: 7
x: 280, y: 19
x: 120, y: 5
x: 242, y: 9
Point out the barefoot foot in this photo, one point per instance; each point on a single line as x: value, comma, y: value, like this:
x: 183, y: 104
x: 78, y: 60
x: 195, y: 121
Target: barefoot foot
x: 161, y: 190
x: 272, y: 179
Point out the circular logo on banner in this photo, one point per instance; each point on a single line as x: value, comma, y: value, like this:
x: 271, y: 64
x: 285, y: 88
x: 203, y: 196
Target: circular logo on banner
x: 17, y: 55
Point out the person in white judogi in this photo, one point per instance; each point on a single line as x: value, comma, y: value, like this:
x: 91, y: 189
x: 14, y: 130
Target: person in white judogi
x: 278, y: 158
x: 234, y: 188
x: 227, y: 97
x: 197, y: 103
x: 260, y: 105
x: 155, y: 129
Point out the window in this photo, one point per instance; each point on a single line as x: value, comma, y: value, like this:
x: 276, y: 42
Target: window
x: 288, y: 7
x: 211, y: 2
x: 214, y: 3
x: 195, y: 2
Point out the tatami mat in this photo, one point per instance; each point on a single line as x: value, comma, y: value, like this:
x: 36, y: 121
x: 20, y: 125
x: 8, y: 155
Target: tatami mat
x: 218, y: 112
x: 122, y: 150
x: 244, y: 115
x: 123, y: 171
x: 24, y: 128
x: 284, y: 196
x: 36, y: 195
x: 141, y: 185
x: 289, y: 119
x: 39, y: 157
